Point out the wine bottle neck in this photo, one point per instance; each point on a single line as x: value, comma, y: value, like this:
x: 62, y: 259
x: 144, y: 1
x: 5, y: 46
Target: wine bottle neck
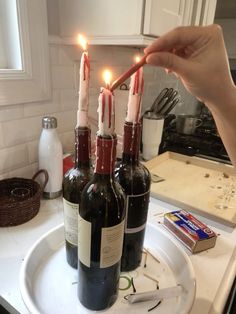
x: 132, y: 136
x: 105, y: 155
x: 82, y: 147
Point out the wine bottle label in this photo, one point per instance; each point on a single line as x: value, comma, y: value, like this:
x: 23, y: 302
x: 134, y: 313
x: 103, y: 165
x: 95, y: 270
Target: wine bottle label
x: 71, y: 221
x: 111, y: 245
x: 84, y: 247
x: 136, y: 212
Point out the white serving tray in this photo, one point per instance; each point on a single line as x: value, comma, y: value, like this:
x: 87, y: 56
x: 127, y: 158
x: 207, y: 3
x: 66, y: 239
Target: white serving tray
x: 49, y: 285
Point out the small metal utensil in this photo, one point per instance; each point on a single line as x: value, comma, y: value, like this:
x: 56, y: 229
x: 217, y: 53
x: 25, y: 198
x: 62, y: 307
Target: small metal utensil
x: 170, y: 106
x: 165, y: 102
x: 159, y: 98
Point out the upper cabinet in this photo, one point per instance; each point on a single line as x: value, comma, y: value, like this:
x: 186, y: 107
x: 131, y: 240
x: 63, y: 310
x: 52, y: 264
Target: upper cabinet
x: 126, y: 22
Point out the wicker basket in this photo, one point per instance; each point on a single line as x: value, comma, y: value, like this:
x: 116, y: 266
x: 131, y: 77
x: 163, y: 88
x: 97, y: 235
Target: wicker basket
x: 20, y: 199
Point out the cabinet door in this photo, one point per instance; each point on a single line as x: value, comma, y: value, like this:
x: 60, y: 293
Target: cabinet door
x: 208, y: 12
x: 163, y: 15
x: 100, y: 18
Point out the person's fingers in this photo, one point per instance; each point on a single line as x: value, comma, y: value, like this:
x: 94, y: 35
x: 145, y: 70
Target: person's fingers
x: 169, y: 61
x: 177, y: 38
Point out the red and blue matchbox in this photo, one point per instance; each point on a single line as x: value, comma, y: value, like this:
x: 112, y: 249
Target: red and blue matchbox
x: 194, y: 234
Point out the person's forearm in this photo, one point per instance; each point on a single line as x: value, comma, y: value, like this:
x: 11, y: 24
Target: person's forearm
x: 224, y: 114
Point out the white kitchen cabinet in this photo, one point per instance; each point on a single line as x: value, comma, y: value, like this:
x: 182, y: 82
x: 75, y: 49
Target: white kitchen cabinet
x: 129, y: 22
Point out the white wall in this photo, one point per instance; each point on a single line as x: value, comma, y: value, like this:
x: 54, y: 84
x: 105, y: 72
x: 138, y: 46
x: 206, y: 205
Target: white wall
x: 20, y: 125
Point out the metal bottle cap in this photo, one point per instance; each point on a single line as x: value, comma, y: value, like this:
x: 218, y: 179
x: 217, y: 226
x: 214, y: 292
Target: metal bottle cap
x: 49, y: 122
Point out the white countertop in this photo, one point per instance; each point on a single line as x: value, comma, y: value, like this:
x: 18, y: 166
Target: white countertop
x: 215, y: 269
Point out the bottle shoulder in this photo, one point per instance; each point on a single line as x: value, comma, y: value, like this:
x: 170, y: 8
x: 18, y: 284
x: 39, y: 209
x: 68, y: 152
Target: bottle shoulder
x: 103, y: 191
x: 103, y: 201
x: 78, y: 172
x: 134, y: 179
x: 137, y: 171
x: 76, y: 178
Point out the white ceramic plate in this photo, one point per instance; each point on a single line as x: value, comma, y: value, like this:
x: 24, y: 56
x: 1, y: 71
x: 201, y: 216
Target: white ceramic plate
x: 49, y: 285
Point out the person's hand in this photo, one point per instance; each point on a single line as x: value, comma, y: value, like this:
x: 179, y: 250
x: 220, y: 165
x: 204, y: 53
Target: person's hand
x: 198, y: 56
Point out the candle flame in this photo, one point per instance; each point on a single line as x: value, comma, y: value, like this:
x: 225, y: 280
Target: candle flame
x: 137, y: 59
x: 82, y: 41
x: 107, y: 77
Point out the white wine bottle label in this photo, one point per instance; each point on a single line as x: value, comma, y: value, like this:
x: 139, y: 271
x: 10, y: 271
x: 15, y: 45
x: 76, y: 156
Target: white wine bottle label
x: 136, y: 212
x: 111, y: 245
x: 71, y: 221
x: 84, y: 241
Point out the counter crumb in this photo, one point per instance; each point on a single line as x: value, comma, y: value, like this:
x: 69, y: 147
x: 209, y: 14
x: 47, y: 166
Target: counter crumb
x: 225, y: 175
x: 187, y: 162
x: 206, y: 175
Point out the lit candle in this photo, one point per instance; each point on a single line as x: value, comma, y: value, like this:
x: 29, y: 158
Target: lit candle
x: 106, y: 112
x: 82, y: 113
x: 135, y: 95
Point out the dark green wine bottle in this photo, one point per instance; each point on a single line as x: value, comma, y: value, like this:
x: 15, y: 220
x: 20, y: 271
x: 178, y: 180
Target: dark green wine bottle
x: 74, y: 181
x: 101, y: 230
x: 135, y: 180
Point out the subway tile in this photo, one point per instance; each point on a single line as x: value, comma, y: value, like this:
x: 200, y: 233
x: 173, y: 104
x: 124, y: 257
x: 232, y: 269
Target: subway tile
x: 43, y: 108
x: 93, y: 101
x: 149, y: 73
x: 4, y: 176
x: 66, y: 121
x: 24, y: 172
x: 93, y: 112
x: 68, y: 99
x: 124, y: 55
x: 54, y: 54
x: 11, y: 112
x: 68, y: 141
x: 21, y: 131
x: 62, y: 77
x: 33, y: 151
x: 94, y: 91
x: 1, y: 137
x: 13, y: 158
x: 68, y: 54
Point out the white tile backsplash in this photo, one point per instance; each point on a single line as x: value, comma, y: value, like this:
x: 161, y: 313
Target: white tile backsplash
x: 69, y: 99
x: 11, y: 112
x: 1, y: 137
x: 24, y: 172
x: 54, y: 54
x: 67, y: 54
x: 33, y: 151
x: 66, y: 121
x: 20, y: 125
x: 13, y: 158
x: 62, y: 76
x: 67, y: 140
x: 21, y: 131
x: 43, y: 108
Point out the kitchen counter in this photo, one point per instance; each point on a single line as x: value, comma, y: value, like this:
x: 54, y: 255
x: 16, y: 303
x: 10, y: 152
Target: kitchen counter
x: 215, y: 269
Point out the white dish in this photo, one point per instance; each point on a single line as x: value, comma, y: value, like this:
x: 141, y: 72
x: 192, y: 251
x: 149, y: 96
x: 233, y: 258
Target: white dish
x: 49, y: 285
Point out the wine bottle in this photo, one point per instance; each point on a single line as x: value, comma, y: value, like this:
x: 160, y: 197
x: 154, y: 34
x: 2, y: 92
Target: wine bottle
x: 74, y: 181
x: 135, y: 180
x: 101, y: 220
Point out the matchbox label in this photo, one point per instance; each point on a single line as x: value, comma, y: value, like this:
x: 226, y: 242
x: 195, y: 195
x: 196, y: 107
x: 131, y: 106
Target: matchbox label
x: 190, y: 225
